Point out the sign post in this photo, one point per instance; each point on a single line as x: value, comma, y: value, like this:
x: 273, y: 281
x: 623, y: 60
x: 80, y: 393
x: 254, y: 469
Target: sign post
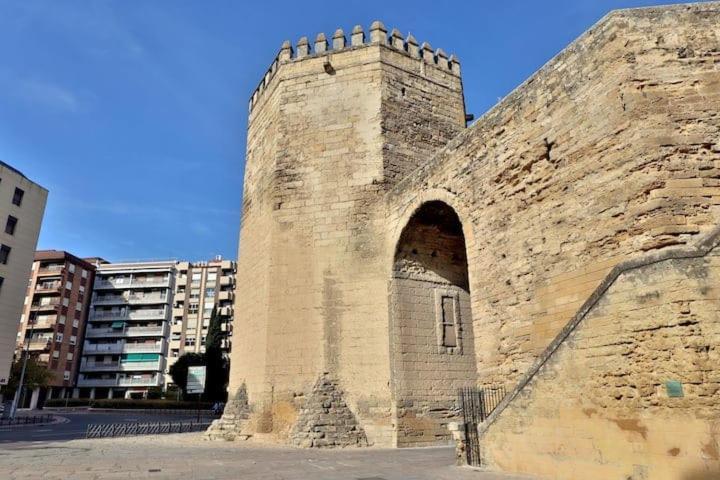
x: 196, y: 384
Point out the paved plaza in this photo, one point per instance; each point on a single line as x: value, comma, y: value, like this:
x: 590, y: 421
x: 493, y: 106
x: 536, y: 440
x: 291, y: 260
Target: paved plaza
x: 188, y: 456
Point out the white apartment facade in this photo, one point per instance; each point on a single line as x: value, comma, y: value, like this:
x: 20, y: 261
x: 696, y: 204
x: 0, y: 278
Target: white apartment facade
x: 22, y: 206
x: 126, y: 340
x: 200, y: 288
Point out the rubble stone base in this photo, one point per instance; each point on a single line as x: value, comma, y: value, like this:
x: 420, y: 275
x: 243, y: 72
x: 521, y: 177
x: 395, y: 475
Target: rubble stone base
x: 233, y: 421
x: 326, y: 421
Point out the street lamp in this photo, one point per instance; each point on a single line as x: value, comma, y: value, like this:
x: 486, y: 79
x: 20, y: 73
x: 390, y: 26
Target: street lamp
x: 16, y: 397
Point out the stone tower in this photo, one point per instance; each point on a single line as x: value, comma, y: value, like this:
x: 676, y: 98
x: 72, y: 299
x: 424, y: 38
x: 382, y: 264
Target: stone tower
x: 333, y: 125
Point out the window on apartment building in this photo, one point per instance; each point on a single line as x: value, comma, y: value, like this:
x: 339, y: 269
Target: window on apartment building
x: 10, y: 225
x: 209, y: 292
x: 66, y: 375
x: 175, y: 352
x: 4, y: 254
x: 73, y: 339
x: 70, y: 275
x: 84, y: 273
x: 76, y: 323
x: 212, y: 276
x: 18, y: 196
x: 71, y: 268
x: 68, y: 285
x: 61, y: 319
x: 66, y: 302
x: 78, y: 306
x: 58, y: 337
x: 56, y: 354
x: 189, y: 342
x: 70, y: 356
x: 193, y: 308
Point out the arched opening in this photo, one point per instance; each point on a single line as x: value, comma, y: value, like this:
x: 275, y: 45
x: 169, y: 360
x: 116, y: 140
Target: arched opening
x: 432, y: 342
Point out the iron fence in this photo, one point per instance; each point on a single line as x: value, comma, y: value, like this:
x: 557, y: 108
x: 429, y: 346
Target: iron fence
x: 476, y: 405
x: 26, y: 420
x: 101, y: 430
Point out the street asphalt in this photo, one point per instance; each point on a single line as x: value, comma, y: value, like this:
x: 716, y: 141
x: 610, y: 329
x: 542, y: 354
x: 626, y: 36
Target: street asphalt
x: 75, y: 426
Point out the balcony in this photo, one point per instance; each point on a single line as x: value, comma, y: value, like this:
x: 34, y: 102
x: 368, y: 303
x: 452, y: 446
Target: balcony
x: 181, y: 281
x: 99, y: 366
x: 141, y: 282
x: 148, y: 299
x: 180, y: 297
x: 122, y: 347
x: 130, y: 299
x: 109, y: 300
x: 45, y: 306
x: 225, y: 311
x: 144, y: 314
x: 226, y: 295
x: 97, y: 382
x: 227, y: 280
x: 145, y: 347
x: 39, y: 344
x: 154, y: 366
x: 177, y: 312
x: 51, y: 287
x: 51, y: 270
x: 103, y: 347
x: 154, y: 381
x: 153, y: 331
x: 45, y: 323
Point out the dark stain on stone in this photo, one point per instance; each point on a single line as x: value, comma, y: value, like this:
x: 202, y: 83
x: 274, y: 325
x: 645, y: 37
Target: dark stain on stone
x: 631, y: 425
x: 589, y: 412
x: 711, y: 450
x: 674, y: 451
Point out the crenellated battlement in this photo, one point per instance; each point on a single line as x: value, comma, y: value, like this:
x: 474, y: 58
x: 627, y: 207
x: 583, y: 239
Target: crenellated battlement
x: 378, y: 34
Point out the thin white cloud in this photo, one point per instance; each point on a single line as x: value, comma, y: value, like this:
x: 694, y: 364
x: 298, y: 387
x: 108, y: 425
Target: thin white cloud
x: 48, y: 95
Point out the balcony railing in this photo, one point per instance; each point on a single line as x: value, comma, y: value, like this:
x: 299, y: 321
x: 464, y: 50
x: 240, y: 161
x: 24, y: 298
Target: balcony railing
x: 122, y: 347
x: 153, y: 331
x: 97, y: 382
x: 99, y: 366
x: 47, y: 287
x: 51, y: 270
x: 139, y: 382
x: 155, y: 313
x: 144, y: 347
x: 131, y: 299
x: 103, y: 347
x: 46, y: 305
x: 156, y: 365
x: 135, y: 283
x: 39, y: 344
x: 135, y: 299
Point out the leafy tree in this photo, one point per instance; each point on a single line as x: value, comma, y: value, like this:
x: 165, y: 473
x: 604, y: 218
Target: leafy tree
x: 36, y: 376
x: 179, y: 370
x: 218, y: 367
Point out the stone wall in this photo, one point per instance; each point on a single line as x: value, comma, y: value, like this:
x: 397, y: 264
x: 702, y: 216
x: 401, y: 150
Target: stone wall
x: 632, y: 391
x: 432, y: 351
x: 608, y: 151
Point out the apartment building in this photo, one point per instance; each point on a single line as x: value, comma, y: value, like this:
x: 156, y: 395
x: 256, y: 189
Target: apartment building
x: 22, y: 205
x: 52, y: 324
x: 126, y: 342
x: 201, y: 287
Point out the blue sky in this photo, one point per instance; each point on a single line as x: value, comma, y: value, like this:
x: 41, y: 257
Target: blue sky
x: 118, y: 106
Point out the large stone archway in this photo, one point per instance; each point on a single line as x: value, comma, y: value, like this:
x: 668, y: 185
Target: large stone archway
x: 432, y: 340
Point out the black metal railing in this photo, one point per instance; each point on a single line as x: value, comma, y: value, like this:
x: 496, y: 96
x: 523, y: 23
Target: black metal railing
x: 26, y: 420
x: 100, y: 430
x: 476, y: 405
